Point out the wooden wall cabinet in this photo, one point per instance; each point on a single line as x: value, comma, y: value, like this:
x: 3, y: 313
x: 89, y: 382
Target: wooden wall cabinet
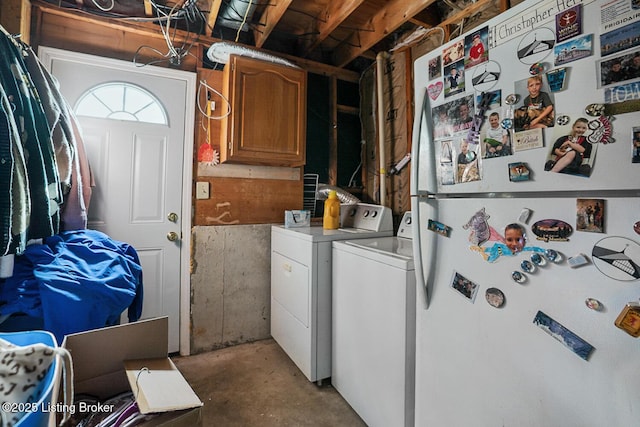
x: 267, y: 123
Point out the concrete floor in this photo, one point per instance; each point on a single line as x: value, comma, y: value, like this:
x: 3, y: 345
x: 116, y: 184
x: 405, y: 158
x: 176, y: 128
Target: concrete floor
x: 256, y: 384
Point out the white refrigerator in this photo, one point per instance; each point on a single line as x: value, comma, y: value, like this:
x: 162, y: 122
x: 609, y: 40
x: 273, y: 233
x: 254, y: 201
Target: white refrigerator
x: 523, y: 272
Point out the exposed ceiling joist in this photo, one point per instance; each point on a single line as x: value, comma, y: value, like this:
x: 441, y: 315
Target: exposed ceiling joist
x: 466, y: 13
x: 269, y: 19
x: 214, y: 9
x: 385, y: 21
x: 334, y: 14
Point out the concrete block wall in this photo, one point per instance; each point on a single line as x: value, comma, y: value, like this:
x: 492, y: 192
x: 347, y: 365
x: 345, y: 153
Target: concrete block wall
x: 230, y: 285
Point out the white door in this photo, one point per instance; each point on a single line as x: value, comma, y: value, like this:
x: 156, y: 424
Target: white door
x: 138, y: 162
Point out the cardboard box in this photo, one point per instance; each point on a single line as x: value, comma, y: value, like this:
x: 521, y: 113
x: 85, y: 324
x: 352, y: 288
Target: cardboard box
x: 99, y: 358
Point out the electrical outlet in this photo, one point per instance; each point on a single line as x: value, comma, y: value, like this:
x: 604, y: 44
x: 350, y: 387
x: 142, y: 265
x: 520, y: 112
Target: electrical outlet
x: 202, y: 190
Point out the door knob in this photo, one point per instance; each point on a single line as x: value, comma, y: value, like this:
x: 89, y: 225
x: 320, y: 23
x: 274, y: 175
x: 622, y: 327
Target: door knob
x: 172, y: 236
x: 173, y: 217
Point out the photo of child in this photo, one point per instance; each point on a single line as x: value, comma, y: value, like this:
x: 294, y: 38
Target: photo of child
x: 514, y: 237
x: 453, y: 53
x: 572, y: 153
x: 454, y: 78
x: 496, y: 140
x: 537, y: 110
x: 467, y: 161
x: 474, y: 44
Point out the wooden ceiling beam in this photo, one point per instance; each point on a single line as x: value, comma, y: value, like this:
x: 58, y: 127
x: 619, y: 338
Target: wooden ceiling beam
x: 383, y: 23
x: 214, y: 10
x: 269, y: 19
x: 330, y: 18
x: 465, y: 13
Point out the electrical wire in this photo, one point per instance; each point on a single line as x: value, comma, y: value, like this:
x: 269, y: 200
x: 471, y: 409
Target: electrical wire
x: 244, y: 19
x: 104, y: 9
x: 203, y: 85
x: 187, y: 12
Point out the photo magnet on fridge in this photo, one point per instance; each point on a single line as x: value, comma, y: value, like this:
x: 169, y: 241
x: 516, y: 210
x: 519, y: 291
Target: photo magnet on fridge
x: 554, y: 230
x: 495, y: 297
x: 618, y: 258
x: 464, y: 286
x: 629, y: 319
x: 590, y: 215
x: 570, y: 340
x: 438, y: 227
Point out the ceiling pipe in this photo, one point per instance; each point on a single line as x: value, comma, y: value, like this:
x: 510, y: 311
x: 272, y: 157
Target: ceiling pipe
x: 236, y: 13
x: 381, y: 58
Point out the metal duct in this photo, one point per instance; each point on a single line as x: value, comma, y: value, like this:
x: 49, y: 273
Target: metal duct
x: 234, y: 14
x: 219, y: 52
x: 344, y: 196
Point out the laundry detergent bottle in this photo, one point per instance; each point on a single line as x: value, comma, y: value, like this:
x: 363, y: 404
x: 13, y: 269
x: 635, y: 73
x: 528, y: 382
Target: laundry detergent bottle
x: 331, y: 218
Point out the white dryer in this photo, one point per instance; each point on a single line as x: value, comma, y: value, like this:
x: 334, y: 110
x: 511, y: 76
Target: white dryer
x: 373, y: 326
x: 301, y: 283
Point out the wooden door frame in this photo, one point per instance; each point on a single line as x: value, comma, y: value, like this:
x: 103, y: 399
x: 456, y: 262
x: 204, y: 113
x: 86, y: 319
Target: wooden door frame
x: 47, y: 55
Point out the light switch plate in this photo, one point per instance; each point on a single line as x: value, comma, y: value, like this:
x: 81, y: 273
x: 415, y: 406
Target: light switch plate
x: 202, y: 190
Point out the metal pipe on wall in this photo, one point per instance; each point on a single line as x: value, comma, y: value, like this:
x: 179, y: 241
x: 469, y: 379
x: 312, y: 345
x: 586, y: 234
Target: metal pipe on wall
x: 381, y: 57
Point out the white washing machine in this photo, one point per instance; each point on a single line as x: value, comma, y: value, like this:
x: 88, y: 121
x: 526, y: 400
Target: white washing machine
x: 301, y: 283
x: 373, y: 327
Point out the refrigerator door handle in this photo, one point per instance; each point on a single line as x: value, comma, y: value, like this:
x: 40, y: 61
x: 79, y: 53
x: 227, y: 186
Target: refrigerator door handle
x: 423, y: 151
x: 424, y: 246
x: 417, y: 253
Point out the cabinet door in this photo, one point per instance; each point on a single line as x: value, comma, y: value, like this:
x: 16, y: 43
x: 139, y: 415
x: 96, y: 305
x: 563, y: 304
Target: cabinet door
x: 267, y: 124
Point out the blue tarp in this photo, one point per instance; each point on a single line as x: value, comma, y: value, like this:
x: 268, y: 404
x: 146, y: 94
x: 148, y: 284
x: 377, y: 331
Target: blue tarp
x: 75, y: 281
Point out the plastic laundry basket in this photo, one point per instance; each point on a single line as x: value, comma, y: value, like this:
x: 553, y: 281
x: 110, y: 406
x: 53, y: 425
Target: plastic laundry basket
x: 52, y: 380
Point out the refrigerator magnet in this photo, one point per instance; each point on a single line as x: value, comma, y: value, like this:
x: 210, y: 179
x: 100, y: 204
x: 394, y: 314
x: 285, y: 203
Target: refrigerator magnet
x: 618, y: 258
x: 518, y: 277
x: 527, y: 266
x: 536, y: 68
x: 494, y: 297
x: 556, y: 79
x: 593, y: 304
x: 464, y: 286
x: 518, y: 172
x: 563, y: 120
x: 438, y: 227
x: 629, y: 319
x: 577, y: 261
x: 566, y: 337
x: 553, y: 255
x: 552, y: 230
x: 538, y: 259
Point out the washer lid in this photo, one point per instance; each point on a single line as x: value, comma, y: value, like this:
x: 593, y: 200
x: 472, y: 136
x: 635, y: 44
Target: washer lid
x: 318, y: 234
x: 396, y: 251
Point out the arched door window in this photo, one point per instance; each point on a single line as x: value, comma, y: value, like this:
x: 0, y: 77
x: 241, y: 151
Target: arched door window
x: 121, y: 101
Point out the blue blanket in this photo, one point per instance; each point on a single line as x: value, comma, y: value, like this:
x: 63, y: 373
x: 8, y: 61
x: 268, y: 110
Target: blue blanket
x: 75, y: 281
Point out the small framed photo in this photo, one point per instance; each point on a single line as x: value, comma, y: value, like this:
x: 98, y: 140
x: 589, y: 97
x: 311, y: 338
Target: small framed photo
x: 435, y: 67
x: 619, y: 69
x: 590, y: 215
x: 464, y: 286
x: 635, y: 157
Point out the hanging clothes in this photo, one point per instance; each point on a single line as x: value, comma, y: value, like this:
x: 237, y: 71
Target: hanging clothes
x: 46, y: 178
x: 44, y: 185
x: 71, y: 159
